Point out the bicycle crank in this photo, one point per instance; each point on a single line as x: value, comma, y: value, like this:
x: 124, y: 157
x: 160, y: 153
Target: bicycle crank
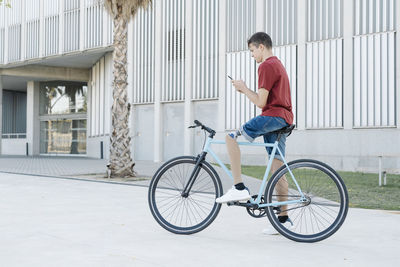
x: 256, y: 212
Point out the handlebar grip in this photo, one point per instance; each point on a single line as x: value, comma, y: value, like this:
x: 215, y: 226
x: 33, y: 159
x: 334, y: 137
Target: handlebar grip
x: 209, y: 130
x: 197, y: 123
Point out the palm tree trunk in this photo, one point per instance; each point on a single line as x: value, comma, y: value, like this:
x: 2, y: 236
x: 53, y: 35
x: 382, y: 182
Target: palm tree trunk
x: 120, y: 155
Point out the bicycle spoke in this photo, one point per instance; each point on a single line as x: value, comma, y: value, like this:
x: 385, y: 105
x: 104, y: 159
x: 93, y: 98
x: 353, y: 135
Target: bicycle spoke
x: 173, y: 210
x: 170, y: 201
x: 203, y: 201
x: 201, y: 207
x: 317, y: 217
x: 196, y: 210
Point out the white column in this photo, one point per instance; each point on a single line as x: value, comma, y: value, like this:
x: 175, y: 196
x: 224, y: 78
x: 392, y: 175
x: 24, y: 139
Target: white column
x: 1, y: 110
x: 41, y: 29
x: 23, y: 31
x: 301, y: 63
x: 188, y: 134
x: 108, y: 90
x: 397, y: 105
x: 102, y: 95
x: 260, y: 15
x: 157, y: 84
x: 32, y: 118
x: 5, y: 38
x: 89, y: 107
x: 61, y: 26
x: 348, y: 19
x: 222, y: 65
x: 82, y: 25
x: 105, y: 27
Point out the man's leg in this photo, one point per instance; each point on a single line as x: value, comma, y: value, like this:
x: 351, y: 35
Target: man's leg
x: 282, y: 188
x: 234, y: 156
x: 238, y: 192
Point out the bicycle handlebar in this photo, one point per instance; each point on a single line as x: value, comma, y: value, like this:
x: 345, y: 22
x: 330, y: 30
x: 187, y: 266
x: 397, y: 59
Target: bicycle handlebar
x: 203, y: 127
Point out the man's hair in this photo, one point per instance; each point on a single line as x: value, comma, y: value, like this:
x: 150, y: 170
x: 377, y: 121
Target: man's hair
x: 260, y: 38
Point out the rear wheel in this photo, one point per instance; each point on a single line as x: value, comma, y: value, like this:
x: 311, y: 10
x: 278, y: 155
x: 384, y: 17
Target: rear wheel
x: 184, y: 214
x: 325, y: 207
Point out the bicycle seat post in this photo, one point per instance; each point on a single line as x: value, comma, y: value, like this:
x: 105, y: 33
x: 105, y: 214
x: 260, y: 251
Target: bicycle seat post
x: 279, y: 137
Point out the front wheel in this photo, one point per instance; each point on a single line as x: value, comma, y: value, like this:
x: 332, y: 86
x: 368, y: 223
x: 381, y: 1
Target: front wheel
x: 324, y: 208
x: 179, y: 213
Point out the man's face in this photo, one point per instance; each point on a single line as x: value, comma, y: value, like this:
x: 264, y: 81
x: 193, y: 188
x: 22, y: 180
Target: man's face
x: 256, y: 52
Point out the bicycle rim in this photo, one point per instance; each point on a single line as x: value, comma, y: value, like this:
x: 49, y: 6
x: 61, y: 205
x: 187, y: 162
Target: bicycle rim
x: 184, y: 215
x: 326, y: 206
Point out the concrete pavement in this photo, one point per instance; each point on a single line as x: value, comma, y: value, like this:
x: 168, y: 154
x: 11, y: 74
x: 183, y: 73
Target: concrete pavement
x: 47, y: 221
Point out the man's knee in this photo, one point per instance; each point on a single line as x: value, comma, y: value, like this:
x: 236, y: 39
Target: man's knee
x: 229, y: 138
x: 233, y: 135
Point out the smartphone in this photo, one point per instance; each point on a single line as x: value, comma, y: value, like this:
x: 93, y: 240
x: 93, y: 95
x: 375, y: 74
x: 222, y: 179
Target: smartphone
x: 230, y: 77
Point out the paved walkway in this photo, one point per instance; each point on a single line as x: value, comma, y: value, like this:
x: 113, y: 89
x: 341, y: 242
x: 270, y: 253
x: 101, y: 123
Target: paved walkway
x: 55, y: 212
x: 50, y: 221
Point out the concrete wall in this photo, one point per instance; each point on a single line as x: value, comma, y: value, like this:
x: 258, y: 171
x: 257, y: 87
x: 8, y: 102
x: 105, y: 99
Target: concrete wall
x: 356, y: 149
x: 205, y: 112
x: 93, y: 147
x: 173, y: 130
x: 1, y: 111
x: 347, y: 150
x: 99, y: 108
x: 158, y: 129
x: 143, y: 132
x: 32, y: 118
x: 13, y: 146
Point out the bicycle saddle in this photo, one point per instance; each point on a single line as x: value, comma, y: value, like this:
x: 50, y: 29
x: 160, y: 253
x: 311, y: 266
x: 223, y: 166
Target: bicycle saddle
x: 285, y: 130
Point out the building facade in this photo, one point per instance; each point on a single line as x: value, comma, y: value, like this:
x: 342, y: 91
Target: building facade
x: 341, y: 57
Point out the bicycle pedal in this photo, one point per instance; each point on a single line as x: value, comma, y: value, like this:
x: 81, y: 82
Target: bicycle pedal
x: 241, y: 203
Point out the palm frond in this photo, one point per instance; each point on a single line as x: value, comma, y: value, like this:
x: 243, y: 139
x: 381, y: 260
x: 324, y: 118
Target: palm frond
x: 126, y: 8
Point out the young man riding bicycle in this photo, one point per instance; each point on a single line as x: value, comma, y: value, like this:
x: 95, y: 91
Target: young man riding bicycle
x: 273, y: 97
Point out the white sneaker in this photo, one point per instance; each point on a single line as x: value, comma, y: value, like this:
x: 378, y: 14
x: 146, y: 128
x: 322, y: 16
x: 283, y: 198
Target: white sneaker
x: 234, y: 195
x: 272, y: 231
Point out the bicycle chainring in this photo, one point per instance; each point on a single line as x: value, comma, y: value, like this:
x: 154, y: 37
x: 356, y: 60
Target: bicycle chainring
x: 256, y: 212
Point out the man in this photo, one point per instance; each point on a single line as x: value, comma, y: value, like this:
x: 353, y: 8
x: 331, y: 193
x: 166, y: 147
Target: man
x: 273, y: 97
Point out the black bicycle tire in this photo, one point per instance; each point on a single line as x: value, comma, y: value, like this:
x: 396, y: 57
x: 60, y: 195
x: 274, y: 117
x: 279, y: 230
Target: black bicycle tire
x: 343, y: 208
x: 156, y: 214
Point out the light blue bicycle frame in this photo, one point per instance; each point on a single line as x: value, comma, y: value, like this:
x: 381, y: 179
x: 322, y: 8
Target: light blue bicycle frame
x: 275, y: 148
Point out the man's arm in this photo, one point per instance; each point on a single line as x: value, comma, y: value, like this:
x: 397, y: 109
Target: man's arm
x: 259, y: 99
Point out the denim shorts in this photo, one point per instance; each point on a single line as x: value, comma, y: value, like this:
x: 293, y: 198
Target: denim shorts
x: 263, y: 126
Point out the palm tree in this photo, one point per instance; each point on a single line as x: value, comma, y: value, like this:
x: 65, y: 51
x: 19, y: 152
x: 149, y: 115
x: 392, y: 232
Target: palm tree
x: 121, y: 11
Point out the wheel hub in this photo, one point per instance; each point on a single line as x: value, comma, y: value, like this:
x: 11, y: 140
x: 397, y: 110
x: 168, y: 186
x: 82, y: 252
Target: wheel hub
x: 306, y: 200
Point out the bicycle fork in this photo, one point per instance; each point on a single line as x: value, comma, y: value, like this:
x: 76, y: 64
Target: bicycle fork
x: 194, y: 174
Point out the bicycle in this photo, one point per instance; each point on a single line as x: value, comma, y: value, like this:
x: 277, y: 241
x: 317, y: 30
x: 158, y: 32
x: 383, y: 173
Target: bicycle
x: 182, y: 193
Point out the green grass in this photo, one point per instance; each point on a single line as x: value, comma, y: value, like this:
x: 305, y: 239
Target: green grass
x: 363, y: 188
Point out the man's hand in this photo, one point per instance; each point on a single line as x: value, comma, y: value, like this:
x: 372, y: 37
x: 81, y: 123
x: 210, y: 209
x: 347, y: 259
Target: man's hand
x: 239, y: 85
x: 259, y: 99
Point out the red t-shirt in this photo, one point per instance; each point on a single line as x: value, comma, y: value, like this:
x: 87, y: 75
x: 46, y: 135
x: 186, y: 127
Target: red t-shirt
x: 272, y: 76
